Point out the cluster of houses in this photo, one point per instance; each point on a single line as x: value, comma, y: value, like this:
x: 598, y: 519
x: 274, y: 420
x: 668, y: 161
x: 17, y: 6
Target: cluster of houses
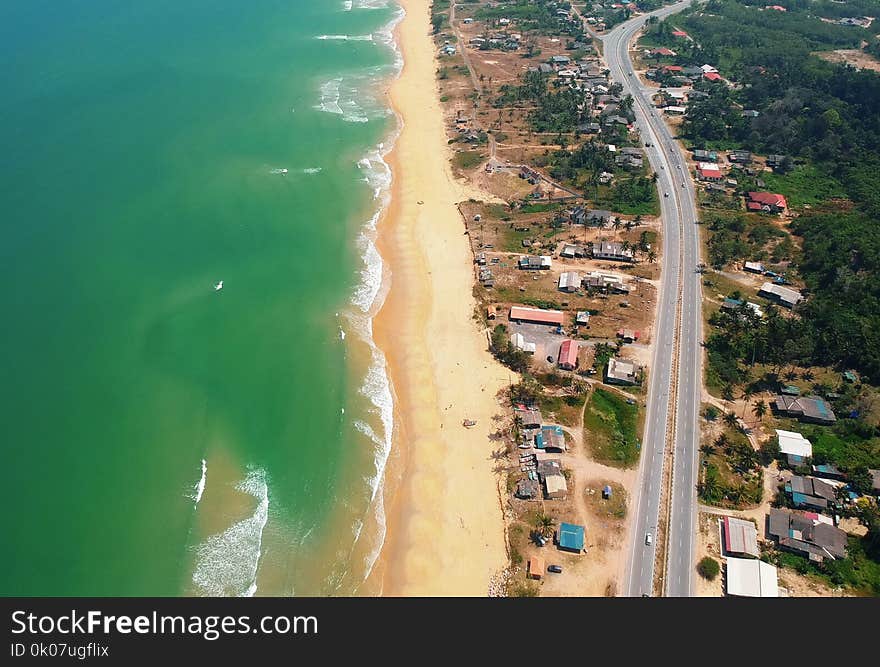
x: 679, y: 76
x: 807, y: 525
x: 539, y: 441
x: 617, y: 371
x: 709, y: 170
x: 608, y: 250
x: 543, y: 475
x: 593, y: 281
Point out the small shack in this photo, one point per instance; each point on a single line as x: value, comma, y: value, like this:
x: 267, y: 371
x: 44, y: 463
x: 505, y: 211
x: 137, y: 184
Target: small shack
x: 536, y: 567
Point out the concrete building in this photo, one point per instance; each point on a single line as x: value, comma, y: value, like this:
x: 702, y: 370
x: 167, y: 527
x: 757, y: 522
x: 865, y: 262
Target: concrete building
x: 746, y: 577
x: 520, y: 343
x: 620, y: 371
x: 612, y: 250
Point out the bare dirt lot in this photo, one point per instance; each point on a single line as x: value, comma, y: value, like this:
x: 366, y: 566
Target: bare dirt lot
x: 855, y: 57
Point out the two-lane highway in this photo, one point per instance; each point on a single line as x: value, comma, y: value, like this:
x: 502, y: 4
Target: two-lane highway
x: 674, y: 390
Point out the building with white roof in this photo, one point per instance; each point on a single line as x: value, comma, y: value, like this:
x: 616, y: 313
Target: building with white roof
x: 794, y: 444
x: 751, y: 578
x: 519, y: 342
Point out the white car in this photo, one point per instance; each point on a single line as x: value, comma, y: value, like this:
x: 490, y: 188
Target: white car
x: 648, y: 539
x: 665, y: 194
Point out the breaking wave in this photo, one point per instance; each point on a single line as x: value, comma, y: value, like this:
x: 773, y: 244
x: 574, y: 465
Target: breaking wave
x: 226, y: 564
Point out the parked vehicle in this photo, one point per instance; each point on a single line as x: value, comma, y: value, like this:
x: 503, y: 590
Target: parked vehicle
x: 649, y: 540
x: 554, y: 568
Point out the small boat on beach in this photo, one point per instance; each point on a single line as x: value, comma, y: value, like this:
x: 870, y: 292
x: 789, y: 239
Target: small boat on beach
x: 467, y: 423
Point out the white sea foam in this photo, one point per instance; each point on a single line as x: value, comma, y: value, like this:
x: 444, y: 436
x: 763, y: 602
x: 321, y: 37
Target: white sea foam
x: 347, y: 38
x: 200, y: 485
x: 312, y: 170
x: 226, y: 563
x: 346, y: 6
x: 355, y: 96
x: 330, y: 96
x: 358, y: 97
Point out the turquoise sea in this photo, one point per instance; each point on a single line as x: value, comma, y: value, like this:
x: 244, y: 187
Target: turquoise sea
x: 162, y: 436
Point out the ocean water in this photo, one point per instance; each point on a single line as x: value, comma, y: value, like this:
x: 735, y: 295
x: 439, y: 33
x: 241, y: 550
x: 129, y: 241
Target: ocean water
x: 161, y: 436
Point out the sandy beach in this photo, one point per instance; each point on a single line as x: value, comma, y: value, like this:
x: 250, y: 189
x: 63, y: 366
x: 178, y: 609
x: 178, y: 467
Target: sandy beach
x: 445, y: 528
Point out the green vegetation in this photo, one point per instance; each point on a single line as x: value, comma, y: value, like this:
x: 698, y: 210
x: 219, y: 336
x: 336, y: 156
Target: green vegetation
x: 542, y: 303
x: 610, y: 429
x: 633, y: 196
x: 731, y: 474
x: 506, y: 353
x: 467, y: 159
x: 859, y: 571
x: 849, y: 444
x: 708, y: 568
x: 538, y: 208
x: 805, y: 184
x: 743, y: 236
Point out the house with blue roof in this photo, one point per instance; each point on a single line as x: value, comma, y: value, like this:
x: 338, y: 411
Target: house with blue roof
x: 550, y: 439
x: 570, y: 537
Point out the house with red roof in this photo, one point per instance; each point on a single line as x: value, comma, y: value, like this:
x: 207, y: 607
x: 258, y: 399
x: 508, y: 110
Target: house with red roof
x: 767, y: 202
x: 708, y: 171
x: 776, y: 8
x: 662, y: 51
x: 712, y: 76
x: 671, y: 68
x: 679, y: 33
x: 568, y: 355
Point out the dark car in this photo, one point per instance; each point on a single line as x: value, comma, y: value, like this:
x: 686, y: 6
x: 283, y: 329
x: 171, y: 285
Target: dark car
x: 554, y: 568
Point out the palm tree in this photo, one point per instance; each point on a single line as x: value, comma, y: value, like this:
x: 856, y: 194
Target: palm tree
x: 730, y: 419
x: 808, y: 375
x: 747, y: 393
x: 545, y: 524
x: 760, y: 409
x: 652, y: 256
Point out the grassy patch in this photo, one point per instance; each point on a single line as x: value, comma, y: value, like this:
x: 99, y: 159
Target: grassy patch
x: 565, y: 410
x: 539, y: 208
x: 610, y: 429
x: 467, y: 159
x: 804, y: 185
x: 611, y: 508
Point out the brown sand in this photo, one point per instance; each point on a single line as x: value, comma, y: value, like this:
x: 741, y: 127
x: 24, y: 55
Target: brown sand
x: 445, y: 527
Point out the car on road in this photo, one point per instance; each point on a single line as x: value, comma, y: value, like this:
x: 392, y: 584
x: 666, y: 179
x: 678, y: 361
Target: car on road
x: 557, y: 569
x: 665, y: 194
x: 649, y: 540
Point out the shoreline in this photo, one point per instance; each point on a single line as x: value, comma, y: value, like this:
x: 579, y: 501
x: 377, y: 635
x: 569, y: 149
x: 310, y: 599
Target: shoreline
x: 444, y: 524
